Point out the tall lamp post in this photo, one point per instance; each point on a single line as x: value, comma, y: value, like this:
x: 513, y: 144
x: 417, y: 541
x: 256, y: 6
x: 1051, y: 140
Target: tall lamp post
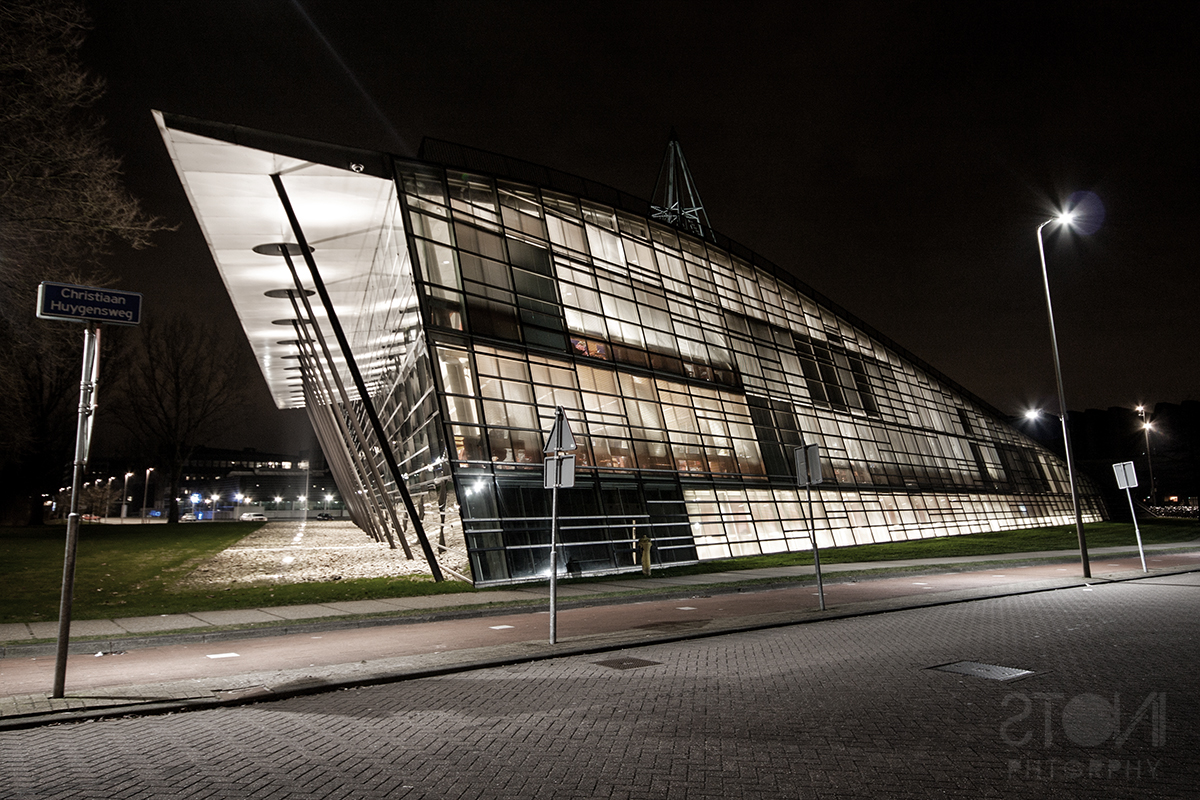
x: 146, y: 492
x: 1141, y: 410
x: 125, y: 497
x: 1063, y: 219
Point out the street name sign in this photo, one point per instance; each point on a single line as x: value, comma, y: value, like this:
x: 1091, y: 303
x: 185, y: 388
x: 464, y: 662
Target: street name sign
x: 70, y: 303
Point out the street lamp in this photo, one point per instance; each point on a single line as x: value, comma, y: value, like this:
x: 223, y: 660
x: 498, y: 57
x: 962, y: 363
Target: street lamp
x: 1063, y: 219
x: 107, y: 495
x: 145, y: 493
x: 1146, y: 426
x: 215, y: 498
x: 125, y: 498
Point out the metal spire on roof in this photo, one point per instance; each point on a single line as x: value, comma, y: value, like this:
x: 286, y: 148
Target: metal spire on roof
x: 676, y: 200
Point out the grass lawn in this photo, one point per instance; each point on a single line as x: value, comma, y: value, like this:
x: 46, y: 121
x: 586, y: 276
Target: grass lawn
x: 1029, y: 540
x: 132, y: 570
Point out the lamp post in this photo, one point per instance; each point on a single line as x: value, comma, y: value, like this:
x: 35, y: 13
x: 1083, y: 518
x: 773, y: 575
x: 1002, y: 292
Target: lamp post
x: 125, y: 498
x: 1146, y: 426
x: 1065, y: 220
x: 146, y: 492
x: 107, y: 495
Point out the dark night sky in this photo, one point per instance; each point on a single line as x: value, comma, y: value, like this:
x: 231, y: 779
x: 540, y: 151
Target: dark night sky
x: 896, y: 156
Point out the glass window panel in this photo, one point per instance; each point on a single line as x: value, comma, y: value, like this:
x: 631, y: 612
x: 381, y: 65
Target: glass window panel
x: 510, y: 415
x: 479, y: 241
x: 633, y: 226
x: 493, y: 318
x: 425, y: 186
x: 521, y: 198
x: 639, y: 253
x: 561, y: 203
x: 473, y: 194
x: 653, y: 455
x: 605, y: 245
x: 482, y: 270
x: 599, y: 215
x: 468, y: 442
x: 431, y: 227
x: 438, y: 264
x: 445, y: 308
x: 566, y: 234
x: 531, y: 285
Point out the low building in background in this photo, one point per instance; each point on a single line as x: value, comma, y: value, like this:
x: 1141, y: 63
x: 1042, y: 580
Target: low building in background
x: 431, y: 314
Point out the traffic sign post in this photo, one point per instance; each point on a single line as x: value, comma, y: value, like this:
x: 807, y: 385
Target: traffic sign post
x: 1127, y: 479
x: 558, y: 472
x: 92, y: 306
x: 808, y: 472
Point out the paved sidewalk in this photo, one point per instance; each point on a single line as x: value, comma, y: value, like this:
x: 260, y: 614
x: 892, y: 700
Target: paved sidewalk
x: 862, y: 589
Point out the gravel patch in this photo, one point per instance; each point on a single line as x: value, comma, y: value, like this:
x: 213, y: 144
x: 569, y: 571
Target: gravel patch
x: 308, y: 551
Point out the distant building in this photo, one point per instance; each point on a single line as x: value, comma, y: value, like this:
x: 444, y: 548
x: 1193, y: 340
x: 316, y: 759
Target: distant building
x: 281, y: 485
x: 431, y: 314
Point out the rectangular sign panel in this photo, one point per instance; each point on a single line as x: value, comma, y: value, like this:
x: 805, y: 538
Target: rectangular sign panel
x: 64, y: 301
x: 1126, y: 477
x: 558, y: 472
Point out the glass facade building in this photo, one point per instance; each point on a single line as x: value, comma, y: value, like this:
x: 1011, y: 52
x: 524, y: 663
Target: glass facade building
x: 474, y: 294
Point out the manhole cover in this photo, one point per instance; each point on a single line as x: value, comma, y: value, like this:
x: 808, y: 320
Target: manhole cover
x: 990, y: 671
x: 627, y: 663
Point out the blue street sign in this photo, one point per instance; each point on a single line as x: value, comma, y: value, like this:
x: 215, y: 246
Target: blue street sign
x: 64, y: 301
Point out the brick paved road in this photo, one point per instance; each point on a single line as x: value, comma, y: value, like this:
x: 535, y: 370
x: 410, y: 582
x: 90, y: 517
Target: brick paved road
x: 844, y: 708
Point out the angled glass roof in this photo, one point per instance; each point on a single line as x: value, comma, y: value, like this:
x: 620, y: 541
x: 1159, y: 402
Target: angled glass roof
x: 343, y: 214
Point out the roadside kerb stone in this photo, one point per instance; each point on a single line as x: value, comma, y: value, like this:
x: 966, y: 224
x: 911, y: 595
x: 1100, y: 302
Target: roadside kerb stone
x: 15, y: 631
x: 246, y: 616
x: 79, y: 627
x: 361, y: 606
x: 162, y: 622
x: 307, y: 611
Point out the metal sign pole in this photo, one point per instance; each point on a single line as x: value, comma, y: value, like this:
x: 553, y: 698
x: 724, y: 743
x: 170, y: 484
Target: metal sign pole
x: 554, y: 562
x: 91, y: 358
x: 1136, y: 529
x: 1127, y: 479
x: 816, y: 550
x: 558, y: 471
x: 808, y: 469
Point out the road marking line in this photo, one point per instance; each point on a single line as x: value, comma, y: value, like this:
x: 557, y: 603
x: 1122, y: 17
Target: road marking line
x: 223, y: 655
x: 500, y: 627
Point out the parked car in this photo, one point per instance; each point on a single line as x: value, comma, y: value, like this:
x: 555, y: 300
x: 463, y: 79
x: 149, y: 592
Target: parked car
x: 324, y: 515
x: 188, y: 517
x: 253, y: 516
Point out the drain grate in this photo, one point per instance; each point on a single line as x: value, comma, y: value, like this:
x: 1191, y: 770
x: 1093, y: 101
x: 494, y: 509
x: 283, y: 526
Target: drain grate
x: 990, y: 671
x: 627, y: 663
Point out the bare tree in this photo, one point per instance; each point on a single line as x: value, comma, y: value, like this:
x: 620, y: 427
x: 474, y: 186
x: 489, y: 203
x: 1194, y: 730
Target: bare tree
x: 62, y: 207
x: 185, y: 385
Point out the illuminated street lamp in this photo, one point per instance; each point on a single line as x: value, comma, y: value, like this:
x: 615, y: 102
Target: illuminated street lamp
x: 107, y: 495
x: 214, y: 499
x: 145, y: 492
x: 1146, y: 426
x: 1063, y: 219
x: 125, y: 498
